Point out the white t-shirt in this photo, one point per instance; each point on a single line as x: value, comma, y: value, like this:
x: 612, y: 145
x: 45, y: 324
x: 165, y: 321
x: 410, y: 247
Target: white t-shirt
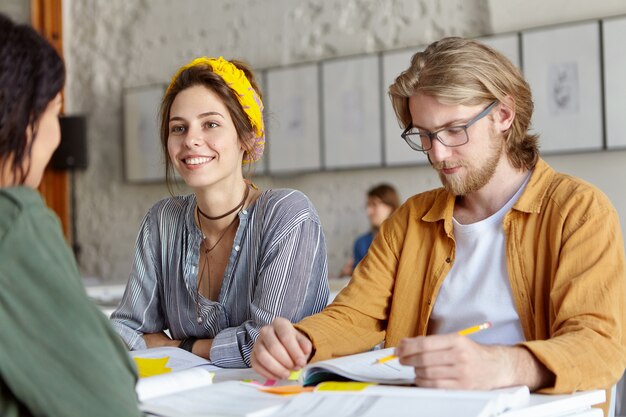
x: 477, y: 289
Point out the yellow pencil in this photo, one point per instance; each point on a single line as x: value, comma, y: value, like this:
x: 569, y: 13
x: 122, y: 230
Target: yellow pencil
x: 475, y: 329
x: 463, y: 332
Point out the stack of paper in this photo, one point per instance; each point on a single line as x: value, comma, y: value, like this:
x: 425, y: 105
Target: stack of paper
x: 410, y: 402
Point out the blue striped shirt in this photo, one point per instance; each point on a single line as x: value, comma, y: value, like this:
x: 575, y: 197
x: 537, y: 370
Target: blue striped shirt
x: 277, y: 267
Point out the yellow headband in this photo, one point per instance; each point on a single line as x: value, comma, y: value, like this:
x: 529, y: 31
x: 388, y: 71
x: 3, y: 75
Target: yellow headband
x: 251, y: 103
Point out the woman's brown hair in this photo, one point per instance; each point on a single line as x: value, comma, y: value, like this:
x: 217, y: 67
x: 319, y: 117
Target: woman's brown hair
x: 203, y: 75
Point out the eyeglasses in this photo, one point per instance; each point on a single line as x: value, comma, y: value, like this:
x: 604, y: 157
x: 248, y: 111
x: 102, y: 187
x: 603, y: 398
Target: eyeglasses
x: 422, y: 140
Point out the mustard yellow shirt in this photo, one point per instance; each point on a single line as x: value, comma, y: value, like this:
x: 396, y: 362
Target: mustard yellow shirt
x: 565, y: 259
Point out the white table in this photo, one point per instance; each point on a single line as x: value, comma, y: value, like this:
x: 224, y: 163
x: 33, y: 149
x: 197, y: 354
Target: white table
x: 574, y: 405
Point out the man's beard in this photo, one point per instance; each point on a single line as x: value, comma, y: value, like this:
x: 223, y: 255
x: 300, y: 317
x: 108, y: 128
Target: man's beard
x: 475, y: 178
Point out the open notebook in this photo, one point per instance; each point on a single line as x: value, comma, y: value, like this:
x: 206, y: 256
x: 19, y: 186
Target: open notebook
x: 396, y: 397
x: 359, y: 367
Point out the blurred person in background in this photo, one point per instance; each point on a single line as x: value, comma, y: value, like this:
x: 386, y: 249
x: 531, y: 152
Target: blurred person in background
x: 382, y: 201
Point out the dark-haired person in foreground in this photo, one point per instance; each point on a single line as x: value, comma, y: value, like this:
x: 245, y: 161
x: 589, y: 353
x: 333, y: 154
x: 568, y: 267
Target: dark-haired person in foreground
x: 507, y: 239
x: 59, y: 356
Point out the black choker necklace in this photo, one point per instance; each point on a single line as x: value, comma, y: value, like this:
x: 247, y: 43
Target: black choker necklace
x: 207, y: 249
x: 238, y: 207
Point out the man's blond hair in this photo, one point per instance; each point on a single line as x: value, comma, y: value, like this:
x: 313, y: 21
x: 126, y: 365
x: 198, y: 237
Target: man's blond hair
x: 466, y: 72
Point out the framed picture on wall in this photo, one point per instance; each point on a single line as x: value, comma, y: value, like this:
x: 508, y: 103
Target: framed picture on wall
x: 293, y: 121
x: 352, y: 112
x: 562, y: 65
x: 397, y: 152
x: 613, y: 35
x: 143, y: 158
x: 506, y: 44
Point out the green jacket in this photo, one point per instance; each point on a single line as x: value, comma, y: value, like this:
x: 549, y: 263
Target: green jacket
x: 58, y: 354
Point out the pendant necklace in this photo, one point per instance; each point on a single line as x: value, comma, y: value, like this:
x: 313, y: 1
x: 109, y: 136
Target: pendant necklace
x: 207, y: 249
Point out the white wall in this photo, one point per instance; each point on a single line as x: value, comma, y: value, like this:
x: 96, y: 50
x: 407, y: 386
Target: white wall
x: 606, y: 170
x: 514, y: 15
x: 115, y: 44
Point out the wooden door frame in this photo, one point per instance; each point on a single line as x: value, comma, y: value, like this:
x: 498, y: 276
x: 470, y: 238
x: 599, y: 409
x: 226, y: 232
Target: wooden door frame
x: 47, y: 18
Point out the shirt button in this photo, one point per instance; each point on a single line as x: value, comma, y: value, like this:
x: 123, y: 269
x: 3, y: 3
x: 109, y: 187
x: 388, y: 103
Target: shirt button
x: 244, y: 211
x: 237, y: 248
x: 448, y: 260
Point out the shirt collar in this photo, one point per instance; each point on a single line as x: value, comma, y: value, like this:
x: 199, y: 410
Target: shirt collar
x: 530, y: 201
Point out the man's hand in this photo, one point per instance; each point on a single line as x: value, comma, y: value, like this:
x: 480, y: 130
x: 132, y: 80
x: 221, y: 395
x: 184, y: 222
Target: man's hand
x: 456, y: 362
x: 279, y: 349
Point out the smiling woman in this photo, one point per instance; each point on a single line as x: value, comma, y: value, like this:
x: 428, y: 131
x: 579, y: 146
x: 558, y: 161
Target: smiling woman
x: 198, y: 115
x: 215, y: 266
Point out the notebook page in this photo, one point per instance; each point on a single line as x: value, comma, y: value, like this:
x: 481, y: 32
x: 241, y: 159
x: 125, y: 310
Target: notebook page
x: 363, y: 367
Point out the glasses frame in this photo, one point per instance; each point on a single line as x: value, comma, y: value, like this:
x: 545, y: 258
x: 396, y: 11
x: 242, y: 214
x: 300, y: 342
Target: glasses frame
x: 406, y: 135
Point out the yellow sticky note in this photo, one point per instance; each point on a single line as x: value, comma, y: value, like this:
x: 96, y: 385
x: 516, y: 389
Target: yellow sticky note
x: 342, y: 386
x: 294, y: 375
x: 152, y: 366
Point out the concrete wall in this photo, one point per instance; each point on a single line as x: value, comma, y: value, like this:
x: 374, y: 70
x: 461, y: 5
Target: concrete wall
x: 115, y: 44
x: 18, y: 10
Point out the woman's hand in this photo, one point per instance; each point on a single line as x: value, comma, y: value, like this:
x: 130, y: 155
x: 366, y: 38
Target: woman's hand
x: 159, y: 340
x: 202, y: 347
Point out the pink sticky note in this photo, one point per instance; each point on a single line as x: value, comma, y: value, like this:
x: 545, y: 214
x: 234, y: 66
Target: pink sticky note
x: 269, y: 382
